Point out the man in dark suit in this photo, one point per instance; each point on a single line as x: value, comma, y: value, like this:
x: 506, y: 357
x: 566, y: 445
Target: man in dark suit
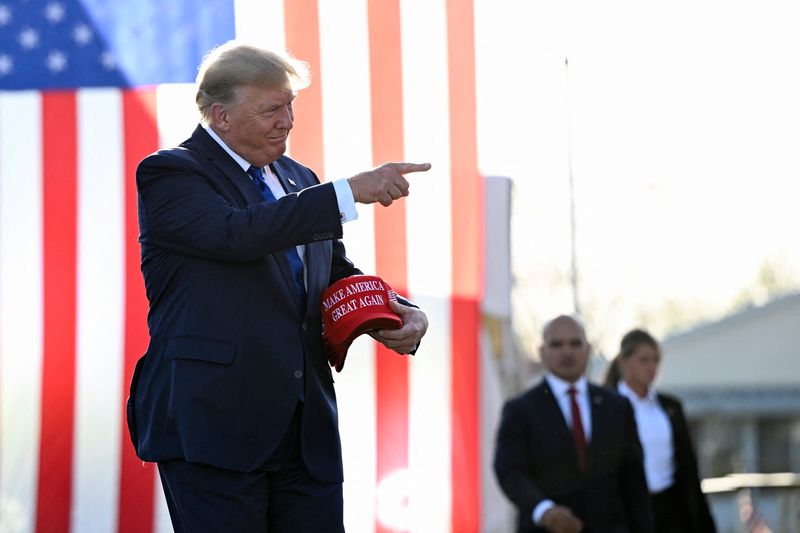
x: 567, y: 453
x: 234, y: 398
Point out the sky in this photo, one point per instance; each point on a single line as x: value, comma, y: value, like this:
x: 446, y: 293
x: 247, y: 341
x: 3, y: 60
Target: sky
x: 680, y: 125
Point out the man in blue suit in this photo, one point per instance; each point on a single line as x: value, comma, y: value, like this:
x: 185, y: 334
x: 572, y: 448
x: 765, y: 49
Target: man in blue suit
x: 234, y: 398
x: 567, y: 454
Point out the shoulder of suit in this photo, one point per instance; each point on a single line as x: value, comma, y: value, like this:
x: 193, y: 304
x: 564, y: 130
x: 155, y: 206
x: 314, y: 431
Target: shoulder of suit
x: 597, y: 390
x: 668, y: 400
x: 604, y: 396
x: 537, y: 391
x: 287, y: 164
x: 179, y: 156
x: 529, y: 394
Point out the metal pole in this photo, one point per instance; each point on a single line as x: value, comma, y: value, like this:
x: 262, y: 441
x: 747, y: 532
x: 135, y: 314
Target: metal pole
x: 573, y: 255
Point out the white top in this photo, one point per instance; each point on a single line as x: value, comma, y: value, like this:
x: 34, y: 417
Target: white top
x: 655, y: 434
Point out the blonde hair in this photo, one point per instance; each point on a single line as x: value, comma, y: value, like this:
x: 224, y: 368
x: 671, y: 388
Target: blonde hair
x: 236, y: 64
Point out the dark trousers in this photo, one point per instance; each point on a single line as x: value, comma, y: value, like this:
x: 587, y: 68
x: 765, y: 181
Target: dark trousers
x: 280, y: 497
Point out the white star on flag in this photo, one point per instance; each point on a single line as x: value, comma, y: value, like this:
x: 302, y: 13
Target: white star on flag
x: 54, y: 12
x: 28, y: 38
x: 82, y: 34
x: 108, y: 61
x: 57, y: 61
x: 6, y: 64
x: 5, y: 15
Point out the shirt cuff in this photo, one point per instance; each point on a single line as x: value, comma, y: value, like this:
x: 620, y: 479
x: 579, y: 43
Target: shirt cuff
x: 344, y: 197
x: 539, y: 510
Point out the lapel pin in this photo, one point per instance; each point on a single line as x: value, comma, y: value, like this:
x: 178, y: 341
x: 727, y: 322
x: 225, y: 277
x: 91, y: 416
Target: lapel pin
x: 292, y: 183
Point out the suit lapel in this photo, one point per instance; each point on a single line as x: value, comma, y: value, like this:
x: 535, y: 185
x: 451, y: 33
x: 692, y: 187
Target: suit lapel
x: 228, y: 168
x: 668, y: 408
x: 290, y: 185
x: 318, y: 269
x: 286, y: 272
x: 288, y: 182
x: 599, y: 425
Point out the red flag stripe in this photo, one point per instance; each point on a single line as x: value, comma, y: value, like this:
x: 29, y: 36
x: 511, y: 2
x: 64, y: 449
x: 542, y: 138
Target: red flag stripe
x: 302, y: 40
x: 137, y: 483
x: 58, y: 366
x: 467, y: 239
x: 391, y: 379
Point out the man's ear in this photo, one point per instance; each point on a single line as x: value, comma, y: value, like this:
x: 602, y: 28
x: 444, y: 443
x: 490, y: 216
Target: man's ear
x: 220, y: 118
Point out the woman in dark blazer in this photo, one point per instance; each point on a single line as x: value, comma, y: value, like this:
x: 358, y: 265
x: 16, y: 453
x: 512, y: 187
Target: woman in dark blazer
x: 679, y: 505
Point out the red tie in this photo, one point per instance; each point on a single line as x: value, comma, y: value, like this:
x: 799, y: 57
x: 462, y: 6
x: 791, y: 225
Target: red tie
x: 577, y: 427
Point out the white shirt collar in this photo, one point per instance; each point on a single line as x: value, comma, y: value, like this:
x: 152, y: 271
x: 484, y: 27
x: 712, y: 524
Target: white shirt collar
x: 560, y: 387
x: 626, y: 391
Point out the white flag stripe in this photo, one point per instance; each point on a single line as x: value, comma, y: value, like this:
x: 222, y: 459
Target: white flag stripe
x: 176, y: 113
x: 161, y: 520
x: 355, y: 391
x: 430, y: 422
x: 497, y: 511
x: 347, y: 124
x: 346, y: 127
x: 427, y: 138
x: 100, y: 311
x: 21, y: 307
x: 260, y: 22
x: 347, y: 143
x: 428, y: 222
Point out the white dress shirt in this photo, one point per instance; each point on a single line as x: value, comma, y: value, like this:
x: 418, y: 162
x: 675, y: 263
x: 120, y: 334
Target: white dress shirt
x: 560, y: 388
x: 655, y: 434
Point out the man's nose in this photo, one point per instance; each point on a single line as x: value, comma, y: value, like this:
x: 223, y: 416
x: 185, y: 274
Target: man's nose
x: 286, y: 118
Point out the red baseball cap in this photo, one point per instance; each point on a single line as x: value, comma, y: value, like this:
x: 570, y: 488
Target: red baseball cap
x: 352, y: 306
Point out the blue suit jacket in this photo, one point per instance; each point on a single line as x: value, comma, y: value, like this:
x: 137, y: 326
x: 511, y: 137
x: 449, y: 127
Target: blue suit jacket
x: 536, y: 459
x: 232, y: 348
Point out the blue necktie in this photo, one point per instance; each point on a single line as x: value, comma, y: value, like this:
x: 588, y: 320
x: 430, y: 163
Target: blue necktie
x: 291, y: 254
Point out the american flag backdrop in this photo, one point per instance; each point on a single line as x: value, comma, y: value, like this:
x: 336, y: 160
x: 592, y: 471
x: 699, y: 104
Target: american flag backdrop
x: 87, y: 89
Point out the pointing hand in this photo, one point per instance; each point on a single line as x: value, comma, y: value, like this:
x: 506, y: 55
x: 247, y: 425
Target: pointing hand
x: 385, y: 183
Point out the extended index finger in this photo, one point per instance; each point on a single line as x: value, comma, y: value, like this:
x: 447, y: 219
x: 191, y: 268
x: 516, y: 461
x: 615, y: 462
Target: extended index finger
x: 405, y: 168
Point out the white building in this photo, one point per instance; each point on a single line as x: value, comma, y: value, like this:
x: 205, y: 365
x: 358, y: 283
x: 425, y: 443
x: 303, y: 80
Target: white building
x: 739, y: 379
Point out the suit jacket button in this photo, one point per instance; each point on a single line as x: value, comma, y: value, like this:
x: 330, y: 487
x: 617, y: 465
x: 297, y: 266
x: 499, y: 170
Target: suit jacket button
x: 298, y: 374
